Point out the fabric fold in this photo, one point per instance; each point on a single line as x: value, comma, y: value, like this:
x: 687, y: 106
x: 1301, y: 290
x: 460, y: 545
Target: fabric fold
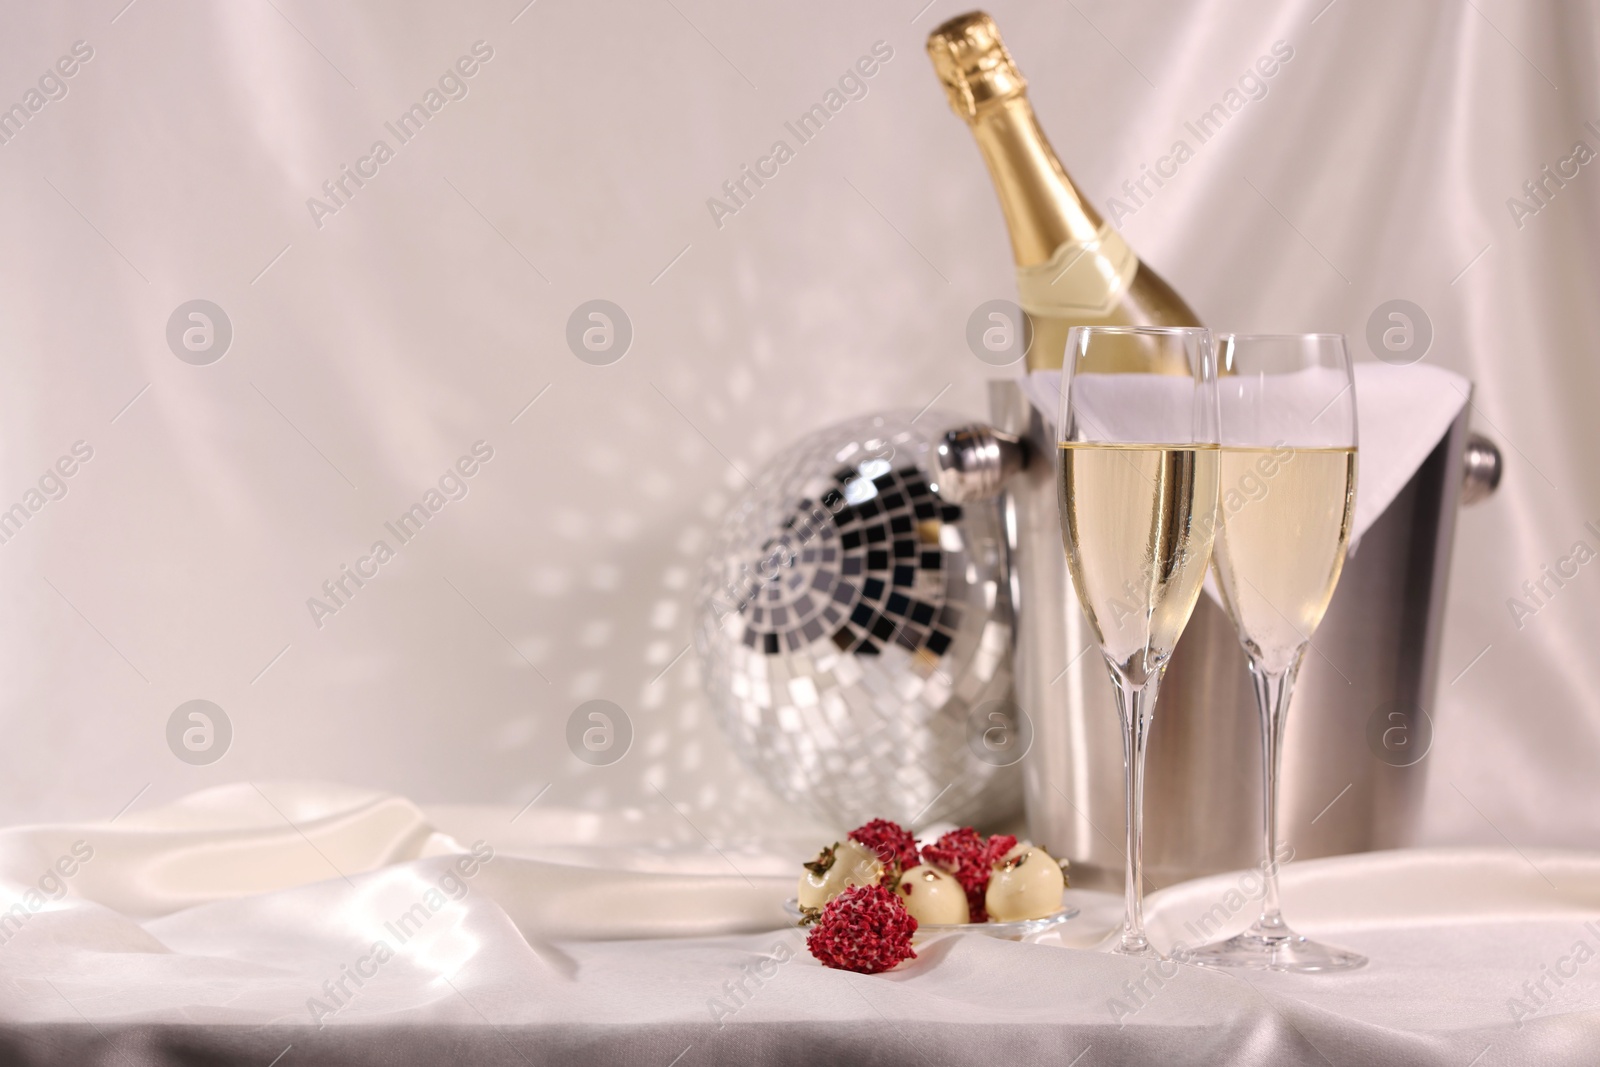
x: 224, y: 912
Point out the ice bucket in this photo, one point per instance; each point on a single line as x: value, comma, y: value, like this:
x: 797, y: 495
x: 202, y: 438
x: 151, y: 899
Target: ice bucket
x: 1358, y: 734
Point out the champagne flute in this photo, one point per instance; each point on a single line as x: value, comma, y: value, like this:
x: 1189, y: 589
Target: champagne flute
x: 1137, y: 475
x: 1288, y: 484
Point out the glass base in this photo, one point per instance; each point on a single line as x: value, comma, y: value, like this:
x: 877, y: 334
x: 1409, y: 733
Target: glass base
x: 1287, y: 951
x: 1138, y: 948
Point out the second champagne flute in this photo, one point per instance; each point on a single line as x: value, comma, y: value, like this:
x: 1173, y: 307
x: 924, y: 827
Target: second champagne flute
x: 1138, y: 488
x: 1288, y: 406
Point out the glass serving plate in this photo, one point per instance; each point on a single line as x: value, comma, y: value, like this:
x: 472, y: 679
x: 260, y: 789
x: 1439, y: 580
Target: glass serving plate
x: 1011, y: 931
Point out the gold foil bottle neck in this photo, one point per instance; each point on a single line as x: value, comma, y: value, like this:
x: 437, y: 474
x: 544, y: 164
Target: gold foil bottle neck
x: 973, y: 63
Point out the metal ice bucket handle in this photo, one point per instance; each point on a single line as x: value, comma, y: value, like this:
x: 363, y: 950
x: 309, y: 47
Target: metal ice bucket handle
x: 1377, y: 650
x: 1481, y: 466
x: 976, y: 460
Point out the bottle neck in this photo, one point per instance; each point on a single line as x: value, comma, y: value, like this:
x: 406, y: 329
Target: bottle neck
x: 1043, y: 210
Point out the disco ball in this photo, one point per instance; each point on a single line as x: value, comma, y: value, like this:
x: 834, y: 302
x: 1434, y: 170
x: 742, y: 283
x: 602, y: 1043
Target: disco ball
x: 855, y: 631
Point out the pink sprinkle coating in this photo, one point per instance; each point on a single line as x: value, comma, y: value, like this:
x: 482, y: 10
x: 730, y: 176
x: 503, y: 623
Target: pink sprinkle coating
x: 864, y: 929
x: 893, y: 843
x: 970, y: 858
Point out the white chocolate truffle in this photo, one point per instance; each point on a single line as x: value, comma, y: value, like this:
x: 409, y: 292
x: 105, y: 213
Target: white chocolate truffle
x: 933, y: 896
x: 1027, y: 884
x: 837, y: 868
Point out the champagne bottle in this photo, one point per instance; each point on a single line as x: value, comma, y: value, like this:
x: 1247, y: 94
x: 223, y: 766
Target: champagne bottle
x: 1072, y: 268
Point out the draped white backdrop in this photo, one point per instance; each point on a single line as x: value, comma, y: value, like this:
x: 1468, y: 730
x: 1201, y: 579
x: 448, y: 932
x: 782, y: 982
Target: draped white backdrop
x: 568, y: 154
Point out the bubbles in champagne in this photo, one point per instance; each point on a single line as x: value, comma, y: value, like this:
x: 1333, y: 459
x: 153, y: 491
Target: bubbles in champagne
x: 1282, y: 529
x: 1137, y: 528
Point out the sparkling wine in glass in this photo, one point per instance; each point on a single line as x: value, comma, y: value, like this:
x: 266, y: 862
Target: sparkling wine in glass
x: 1137, y: 476
x: 1288, y: 488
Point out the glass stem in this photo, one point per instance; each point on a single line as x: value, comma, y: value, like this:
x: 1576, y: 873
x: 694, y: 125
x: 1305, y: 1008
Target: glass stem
x: 1136, y: 707
x: 1273, y: 689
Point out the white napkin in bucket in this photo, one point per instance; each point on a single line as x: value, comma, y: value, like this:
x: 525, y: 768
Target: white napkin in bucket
x: 1401, y: 413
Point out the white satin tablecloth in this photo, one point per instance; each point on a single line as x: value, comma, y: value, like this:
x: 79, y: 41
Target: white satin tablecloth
x: 324, y: 924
